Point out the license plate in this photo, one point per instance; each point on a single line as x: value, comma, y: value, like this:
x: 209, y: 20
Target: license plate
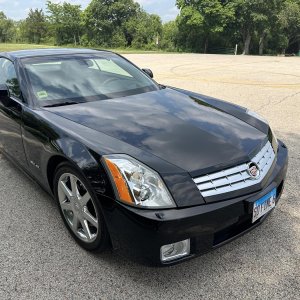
x: 264, y: 205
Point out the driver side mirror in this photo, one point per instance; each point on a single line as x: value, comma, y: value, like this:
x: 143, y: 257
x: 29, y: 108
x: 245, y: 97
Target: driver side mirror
x: 148, y: 72
x: 4, y: 94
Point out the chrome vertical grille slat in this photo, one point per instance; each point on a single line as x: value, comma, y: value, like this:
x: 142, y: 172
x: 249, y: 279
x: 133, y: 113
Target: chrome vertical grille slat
x: 236, y: 178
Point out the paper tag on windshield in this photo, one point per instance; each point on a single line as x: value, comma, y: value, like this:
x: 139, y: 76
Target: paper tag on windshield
x: 42, y: 94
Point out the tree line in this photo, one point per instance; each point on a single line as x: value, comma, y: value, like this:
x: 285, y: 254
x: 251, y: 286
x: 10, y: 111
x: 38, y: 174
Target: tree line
x: 205, y: 26
x: 256, y: 26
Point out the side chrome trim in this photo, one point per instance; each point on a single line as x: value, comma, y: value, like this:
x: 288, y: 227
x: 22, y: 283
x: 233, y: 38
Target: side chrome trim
x: 236, y: 178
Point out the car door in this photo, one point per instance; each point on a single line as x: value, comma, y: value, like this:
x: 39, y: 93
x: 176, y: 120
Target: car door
x: 11, y: 109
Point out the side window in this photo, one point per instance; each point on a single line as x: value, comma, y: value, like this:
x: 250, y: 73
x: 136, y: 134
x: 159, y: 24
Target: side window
x: 2, y: 73
x: 8, y: 76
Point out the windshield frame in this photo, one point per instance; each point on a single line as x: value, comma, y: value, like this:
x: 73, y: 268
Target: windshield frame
x: 100, y: 54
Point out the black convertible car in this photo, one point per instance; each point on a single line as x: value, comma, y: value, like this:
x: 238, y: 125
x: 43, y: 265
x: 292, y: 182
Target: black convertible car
x: 159, y: 173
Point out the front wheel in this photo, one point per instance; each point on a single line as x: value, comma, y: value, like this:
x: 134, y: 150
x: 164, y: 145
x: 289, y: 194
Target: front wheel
x: 79, y: 208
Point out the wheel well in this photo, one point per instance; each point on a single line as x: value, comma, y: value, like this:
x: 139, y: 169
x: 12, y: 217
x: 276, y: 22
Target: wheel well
x: 53, y: 162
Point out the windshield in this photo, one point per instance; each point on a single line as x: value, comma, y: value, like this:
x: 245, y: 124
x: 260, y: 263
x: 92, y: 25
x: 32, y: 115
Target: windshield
x: 81, y: 78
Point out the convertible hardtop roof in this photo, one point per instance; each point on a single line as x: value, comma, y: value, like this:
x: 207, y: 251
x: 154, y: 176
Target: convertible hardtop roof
x: 45, y: 52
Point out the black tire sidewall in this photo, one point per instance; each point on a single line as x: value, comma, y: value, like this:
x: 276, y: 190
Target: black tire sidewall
x: 101, y: 241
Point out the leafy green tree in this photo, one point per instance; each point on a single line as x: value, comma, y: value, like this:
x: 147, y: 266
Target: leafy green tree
x: 289, y: 19
x: 34, y: 27
x: 7, y: 28
x: 267, y: 21
x: 169, y: 36
x: 65, y: 22
x: 256, y: 17
x: 104, y: 18
x: 204, y: 17
x: 142, y: 31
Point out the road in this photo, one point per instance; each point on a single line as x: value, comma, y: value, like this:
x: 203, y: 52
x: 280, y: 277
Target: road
x: 39, y: 259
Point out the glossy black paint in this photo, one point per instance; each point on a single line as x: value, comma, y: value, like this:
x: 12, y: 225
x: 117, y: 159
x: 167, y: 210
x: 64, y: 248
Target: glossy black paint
x: 172, y: 126
x: 148, y: 72
x: 208, y: 226
x: 178, y: 133
x: 10, y: 127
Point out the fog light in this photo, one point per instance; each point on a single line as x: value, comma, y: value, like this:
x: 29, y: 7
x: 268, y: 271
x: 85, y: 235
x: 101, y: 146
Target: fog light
x: 175, y: 251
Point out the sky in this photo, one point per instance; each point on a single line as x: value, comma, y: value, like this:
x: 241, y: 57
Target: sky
x: 18, y: 9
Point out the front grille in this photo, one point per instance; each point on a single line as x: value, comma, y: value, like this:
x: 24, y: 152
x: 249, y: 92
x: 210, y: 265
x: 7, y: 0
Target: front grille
x: 236, y: 178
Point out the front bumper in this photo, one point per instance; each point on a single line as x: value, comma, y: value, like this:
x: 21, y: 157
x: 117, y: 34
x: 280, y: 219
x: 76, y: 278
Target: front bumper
x: 140, y: 233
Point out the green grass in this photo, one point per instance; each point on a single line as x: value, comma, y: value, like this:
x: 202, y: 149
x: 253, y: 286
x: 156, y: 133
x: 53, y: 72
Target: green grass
x: 14, y: 47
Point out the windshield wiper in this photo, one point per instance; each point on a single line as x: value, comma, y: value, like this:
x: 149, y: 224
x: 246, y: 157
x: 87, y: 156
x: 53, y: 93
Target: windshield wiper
x: 62, y: 104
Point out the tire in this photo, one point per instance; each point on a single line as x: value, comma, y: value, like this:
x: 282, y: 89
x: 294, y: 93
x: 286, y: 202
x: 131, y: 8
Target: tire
x: 79, y: 208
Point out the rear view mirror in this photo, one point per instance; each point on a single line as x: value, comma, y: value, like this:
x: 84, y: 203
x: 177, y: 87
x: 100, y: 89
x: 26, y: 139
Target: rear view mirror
x: 148, y: 72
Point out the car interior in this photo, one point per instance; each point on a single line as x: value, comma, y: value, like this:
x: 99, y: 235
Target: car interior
x: 74, y: 78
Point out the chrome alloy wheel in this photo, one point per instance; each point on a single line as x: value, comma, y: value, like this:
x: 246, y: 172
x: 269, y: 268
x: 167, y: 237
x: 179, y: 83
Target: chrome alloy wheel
x: 78, y: 208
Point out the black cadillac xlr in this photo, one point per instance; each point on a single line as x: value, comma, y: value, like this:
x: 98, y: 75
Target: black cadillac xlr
x: 156, y: 172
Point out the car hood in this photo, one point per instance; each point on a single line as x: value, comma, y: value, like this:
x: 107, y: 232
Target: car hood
x: 182, y: 130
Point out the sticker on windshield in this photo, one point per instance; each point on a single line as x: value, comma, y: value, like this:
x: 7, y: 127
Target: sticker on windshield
x: 42, y: 94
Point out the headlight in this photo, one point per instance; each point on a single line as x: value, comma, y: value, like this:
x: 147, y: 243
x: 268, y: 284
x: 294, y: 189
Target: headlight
x: 137, y: 184
x: 257, y: 116
x: 274, y: 140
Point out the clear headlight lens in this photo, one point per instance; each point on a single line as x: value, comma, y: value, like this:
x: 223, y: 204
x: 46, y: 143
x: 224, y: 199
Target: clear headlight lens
x: 137, y: 184
x: 257, y: 116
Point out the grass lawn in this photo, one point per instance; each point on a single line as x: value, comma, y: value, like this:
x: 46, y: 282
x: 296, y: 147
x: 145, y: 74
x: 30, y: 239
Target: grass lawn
x: 12, y: 47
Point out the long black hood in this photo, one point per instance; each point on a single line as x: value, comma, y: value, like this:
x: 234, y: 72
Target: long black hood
x: 182, y: 130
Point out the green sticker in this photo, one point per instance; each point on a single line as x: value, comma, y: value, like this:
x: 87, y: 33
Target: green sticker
x: 42, y: 94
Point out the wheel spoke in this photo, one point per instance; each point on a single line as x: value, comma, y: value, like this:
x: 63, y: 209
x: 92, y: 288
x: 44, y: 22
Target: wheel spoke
x: 75, y: 222
x: 66, y: 206
x: 85, y: 198
x: 86, y: 229
x: 88, y: 217
x: 73, y: 181
x: 65, y: 189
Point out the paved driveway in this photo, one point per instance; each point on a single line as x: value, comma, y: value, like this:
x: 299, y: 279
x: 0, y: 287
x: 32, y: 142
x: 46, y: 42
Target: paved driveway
x: 39, y: 260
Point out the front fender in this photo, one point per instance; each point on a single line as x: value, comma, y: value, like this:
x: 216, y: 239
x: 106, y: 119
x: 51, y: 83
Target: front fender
x: 50, y: 144
x: 88, y: 162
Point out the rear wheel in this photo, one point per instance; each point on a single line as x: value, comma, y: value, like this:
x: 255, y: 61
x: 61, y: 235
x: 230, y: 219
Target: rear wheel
x: 79, y: 208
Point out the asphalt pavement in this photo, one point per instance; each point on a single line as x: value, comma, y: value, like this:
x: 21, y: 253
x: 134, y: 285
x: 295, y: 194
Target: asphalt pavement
x: 39, y: 259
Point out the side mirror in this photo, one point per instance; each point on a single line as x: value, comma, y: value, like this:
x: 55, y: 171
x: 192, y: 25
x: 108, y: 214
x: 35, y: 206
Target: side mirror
x: 148, y: 72
x: 4, y: 94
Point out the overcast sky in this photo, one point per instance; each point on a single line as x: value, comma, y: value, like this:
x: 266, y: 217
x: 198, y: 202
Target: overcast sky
x: 18, y: 9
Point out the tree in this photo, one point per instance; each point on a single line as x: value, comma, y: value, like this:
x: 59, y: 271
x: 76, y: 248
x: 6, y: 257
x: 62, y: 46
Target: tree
x: 169, y: 36
x: 35, y: 26
x: 265, y: 17
x: 104, y: 18
x: 143, y: 30
x: 289, y: 19
x: 256, y: 17
x: 65, y: 22
x: 7, y: 28
x: 205, y: 16
x: 72, y: 21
